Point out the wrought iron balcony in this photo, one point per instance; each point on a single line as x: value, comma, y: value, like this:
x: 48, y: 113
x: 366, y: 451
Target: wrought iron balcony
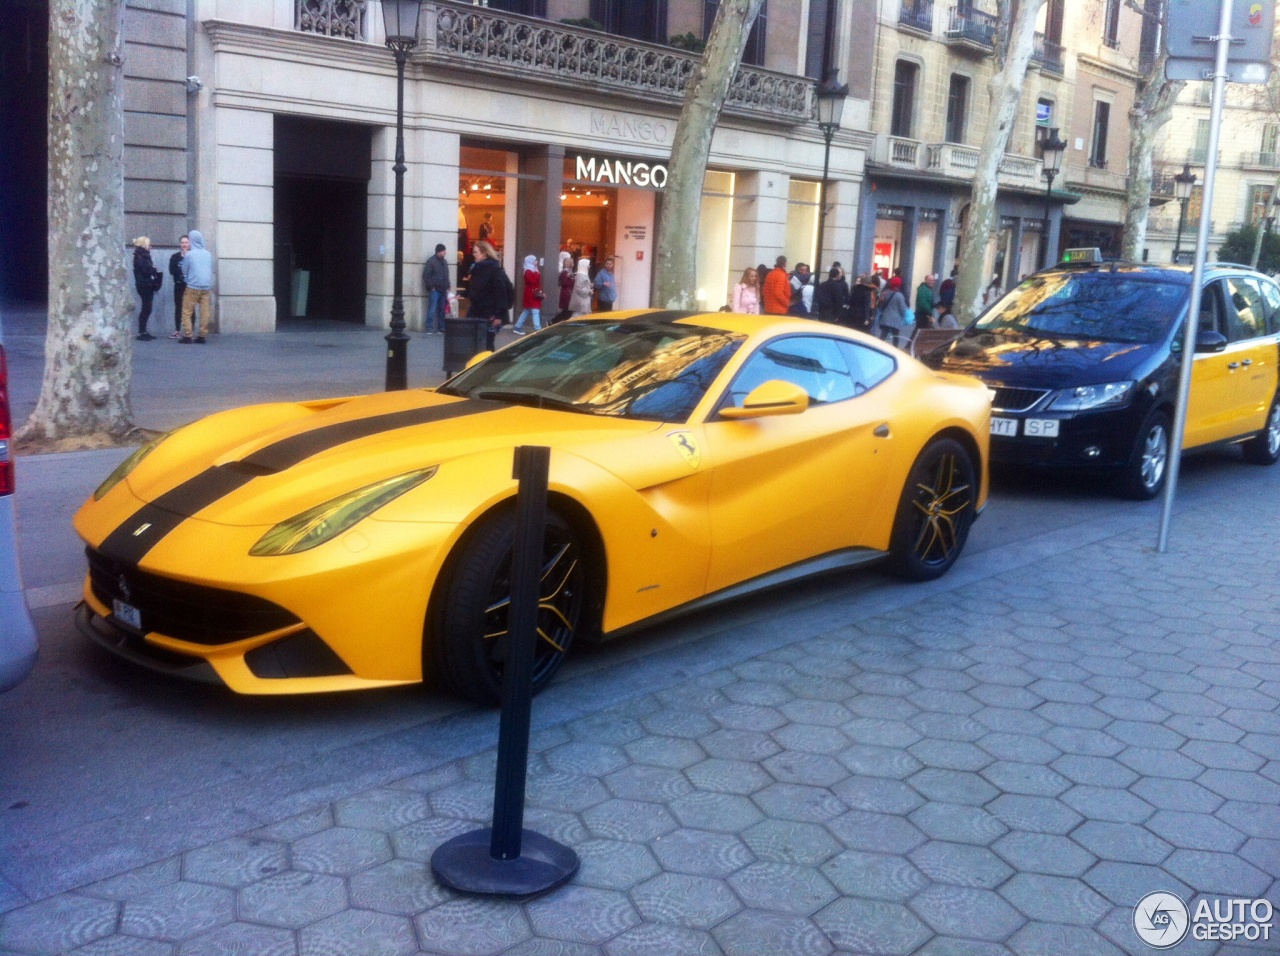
x: 331, y: 18
x: 972, y: 28
x: 1265, y: 160
x: 462, y: 36
x: 917, y: 14
x: 1047, y: 54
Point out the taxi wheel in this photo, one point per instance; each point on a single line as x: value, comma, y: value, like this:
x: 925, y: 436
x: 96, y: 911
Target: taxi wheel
x: 1144, y: 476
x: 1264, y: 447
x: 935, y: 512
x: 469, y: 639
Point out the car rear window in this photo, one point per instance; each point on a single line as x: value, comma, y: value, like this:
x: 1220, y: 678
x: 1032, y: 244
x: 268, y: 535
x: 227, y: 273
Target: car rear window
x: 1104, y: 305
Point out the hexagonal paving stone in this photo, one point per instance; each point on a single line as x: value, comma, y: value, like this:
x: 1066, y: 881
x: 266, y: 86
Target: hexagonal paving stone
x: 341, y: 851
x: 381, y: 809
x: 236, y: 862
x: 1026, y: 778
x: 960, y: 864
x: 748, y: 717
x: 1078, y: 740
x: 1108, y: 803
x: 655, y: 939
x: 127, y: 946
x: 470, y: 800
x: 874, y: 793
x: 1240, y: 785
x: 1054, y: 899
x: 665, y: 752
x: 877, y: 832
x: 1177, y: 795
x: 788, y: 841
x: 957, y: 823
x: 1123, y: 842
x: 1044, y: 853
x: 628, y: 820
x: 822, y: 712
x: 739, y: 744
x: 606, y: 728
x: 586, y: 759
x: 725, y: 812
x: 881, y: 732
x: 235, y: 939
x: 756, y: 692
x: 727, y: 776
x: 1099, y: 771
x: 1255, y: 819
x: 679, y: 723
x: 950, y: 754
x: 793, y: 801
x: 1124, y: 884
x: 58, y: 924
x: 418, y: 841
x: 949, y: 727
x: 641, y: 782
x: 614, y: 864
x: 1034, y: 814
x: 581, y: 914
x: 870, y: 761
x: 811, y: 738
x: 697, y: 902
x: 298, y: 826
x: 967, y: 912
x: 751, y: 933
x: 1051, y: 939
x: 1223, y: 874
x: 782, y: 888
x: 1195, y: 831
x: 292, y: 899
x: 872, y: 705
x: 567, y: 792
x: 701, y: 852
x: 370, y: 934
x: 872, y: 927
x: 177, y: 911
x: 135, y: 883
x: 874, y: 875
x: 470, y: 926
x: 1162, y: 763
x: 818, y: 770
x: 953, y: 786
x: 401, y: 887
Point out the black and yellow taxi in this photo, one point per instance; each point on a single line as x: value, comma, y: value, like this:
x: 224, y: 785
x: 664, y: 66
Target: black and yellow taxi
x: 1083, y: 361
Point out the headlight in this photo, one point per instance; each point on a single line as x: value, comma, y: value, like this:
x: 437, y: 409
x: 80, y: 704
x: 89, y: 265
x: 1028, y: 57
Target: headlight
x: 317, y: 525
x: 1091, y: 396
x: 125, y: 467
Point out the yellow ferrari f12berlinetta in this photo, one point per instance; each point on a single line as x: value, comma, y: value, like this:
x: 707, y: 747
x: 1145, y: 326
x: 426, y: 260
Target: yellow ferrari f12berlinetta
x: 366, y: 542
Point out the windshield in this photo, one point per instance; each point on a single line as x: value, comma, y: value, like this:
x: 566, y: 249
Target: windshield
x: 628, y: 369
x: 1104, y: 305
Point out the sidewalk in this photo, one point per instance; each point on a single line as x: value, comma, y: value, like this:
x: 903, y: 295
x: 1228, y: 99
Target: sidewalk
x: 1002, y: 761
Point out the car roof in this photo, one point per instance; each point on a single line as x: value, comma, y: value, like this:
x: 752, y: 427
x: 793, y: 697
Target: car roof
x: 748, y: 325
x: 1213, y: 270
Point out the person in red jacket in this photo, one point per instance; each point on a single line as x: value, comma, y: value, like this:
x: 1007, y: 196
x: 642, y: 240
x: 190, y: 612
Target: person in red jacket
x: 531, y: 298
x: 777, y: 289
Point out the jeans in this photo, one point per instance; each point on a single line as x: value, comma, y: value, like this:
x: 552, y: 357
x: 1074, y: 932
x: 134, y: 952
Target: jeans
x: 436, y: 299
x: 537, y: 319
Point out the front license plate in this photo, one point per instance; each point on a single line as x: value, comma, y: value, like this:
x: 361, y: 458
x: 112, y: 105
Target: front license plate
x: 1004, y: 426
x: 126, y: 614
x: 1040, y: 428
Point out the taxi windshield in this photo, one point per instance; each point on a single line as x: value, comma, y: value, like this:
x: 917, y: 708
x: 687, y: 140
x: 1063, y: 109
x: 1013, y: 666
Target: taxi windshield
x: 1101, y: 305
x: 657, y: 371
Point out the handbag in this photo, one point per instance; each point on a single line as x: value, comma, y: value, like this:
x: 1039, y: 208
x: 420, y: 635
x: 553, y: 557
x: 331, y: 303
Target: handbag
x: 157, y: 280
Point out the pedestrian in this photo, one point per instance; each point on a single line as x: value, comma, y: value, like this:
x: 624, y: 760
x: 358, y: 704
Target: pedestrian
x: 924, y: 302
x: 892, y: 312
x: 179, y: 286
x: 860, y: 304
x: 947, y: 291
x: 490, y: 292
x: 831, y: 298
x: 435, y: 283
x: 531, y: 296
x: 762, y: 273
x: 801, y: 291
x: 946, y: 318
x: 566, y: 287
x: 777, y: 289
x: 580, y: 300
x: 746, y: 294
x: 147, y: 280
x: 197, y: 272
x: 606, y: 286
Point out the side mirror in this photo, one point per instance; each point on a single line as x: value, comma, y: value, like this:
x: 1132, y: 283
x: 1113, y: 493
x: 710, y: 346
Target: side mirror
x: 1207, y: 341
x: 476, y: 359
x: 774, y: 397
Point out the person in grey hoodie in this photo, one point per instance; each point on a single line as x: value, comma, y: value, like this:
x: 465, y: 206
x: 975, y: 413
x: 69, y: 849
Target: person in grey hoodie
x: 197, y: 272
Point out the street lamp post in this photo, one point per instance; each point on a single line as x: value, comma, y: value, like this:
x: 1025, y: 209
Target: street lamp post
x: 831, y: 96
x: 400, y: 17
x: 1183, y: 183
x: 1052, y: 150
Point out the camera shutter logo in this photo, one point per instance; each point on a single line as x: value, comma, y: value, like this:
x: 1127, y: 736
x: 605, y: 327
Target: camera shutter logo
x: 1161, y: 920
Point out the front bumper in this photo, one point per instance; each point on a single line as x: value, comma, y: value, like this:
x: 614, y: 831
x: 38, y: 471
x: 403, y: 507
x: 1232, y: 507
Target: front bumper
x: 1100, y: 440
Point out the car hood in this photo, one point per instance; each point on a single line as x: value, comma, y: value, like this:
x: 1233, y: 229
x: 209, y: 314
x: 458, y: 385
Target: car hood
x: 1037, y: 361
x: 296, y: 461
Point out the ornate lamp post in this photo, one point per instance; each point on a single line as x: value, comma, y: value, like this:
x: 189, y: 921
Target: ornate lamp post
x: 1052, y: 149
x: 831, y: 96
x: 400, y: 17
x: 1183, y: 183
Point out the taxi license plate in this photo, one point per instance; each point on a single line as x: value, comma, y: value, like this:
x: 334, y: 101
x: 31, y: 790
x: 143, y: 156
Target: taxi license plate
x: 1040, y: 428
x: 1007, y: 427
x: 126, y: 614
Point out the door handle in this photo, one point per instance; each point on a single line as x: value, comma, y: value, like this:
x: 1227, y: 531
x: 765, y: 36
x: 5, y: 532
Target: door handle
x: 882, y: 431
x: 1247, y: 362
x: 1233, y: 365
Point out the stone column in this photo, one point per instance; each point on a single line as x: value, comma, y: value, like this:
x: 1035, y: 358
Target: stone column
x: 538, y: 223
x: 759, y: 220
x: 242, y: 238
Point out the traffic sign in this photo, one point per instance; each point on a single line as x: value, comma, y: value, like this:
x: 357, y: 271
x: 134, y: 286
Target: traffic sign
x: 1192, y: 27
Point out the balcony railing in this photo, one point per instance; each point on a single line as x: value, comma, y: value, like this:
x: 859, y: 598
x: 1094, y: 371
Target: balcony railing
x: 917, y: 14
x: 331, y: 18
x: 1022, y: 169
x: 1047, y: 54
x: 952, y: 159
x: 967, y: 25
x: 1266, y: 160
x: 499, y: 43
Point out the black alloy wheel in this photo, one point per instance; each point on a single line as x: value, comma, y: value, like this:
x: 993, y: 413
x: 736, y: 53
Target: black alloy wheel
x: 470, y: 640
x: 1264, y: 447
x: 935, y: 512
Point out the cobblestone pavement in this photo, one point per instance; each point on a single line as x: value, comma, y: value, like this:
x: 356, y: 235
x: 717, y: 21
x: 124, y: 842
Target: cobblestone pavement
x: 1005, y: 768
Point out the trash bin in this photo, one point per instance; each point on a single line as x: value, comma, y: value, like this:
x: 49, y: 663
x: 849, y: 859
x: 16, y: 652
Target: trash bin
x: 463, y: 338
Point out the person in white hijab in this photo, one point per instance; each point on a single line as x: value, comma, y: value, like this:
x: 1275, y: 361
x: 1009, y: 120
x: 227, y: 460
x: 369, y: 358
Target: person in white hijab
x: 531, y: 298
x: 580, y: 301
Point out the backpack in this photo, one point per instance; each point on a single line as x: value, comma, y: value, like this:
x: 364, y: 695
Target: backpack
x: 508, y: 290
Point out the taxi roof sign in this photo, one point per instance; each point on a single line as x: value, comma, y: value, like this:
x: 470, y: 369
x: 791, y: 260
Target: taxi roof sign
x: 1083, y: 254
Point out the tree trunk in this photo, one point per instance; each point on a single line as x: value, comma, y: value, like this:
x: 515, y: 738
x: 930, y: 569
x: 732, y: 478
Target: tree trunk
x: 88, y: 359
x: 1014, y: 43
x: 675, y: 284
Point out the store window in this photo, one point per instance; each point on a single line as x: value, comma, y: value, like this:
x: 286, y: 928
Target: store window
x: 904, y: 97
x: 957, y: 107
x: 487, y: 203
x: 802, y: 221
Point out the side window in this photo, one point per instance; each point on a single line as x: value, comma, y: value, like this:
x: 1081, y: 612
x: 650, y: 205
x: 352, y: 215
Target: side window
x: 1271, y: 296
x: 1246, y: 318
x: 1211, y: 317
x: 870, y: 367
x: 815, y: 363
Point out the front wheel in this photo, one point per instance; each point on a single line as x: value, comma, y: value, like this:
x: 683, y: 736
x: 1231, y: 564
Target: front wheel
x: 1264, y: 447
x: 468, y: 640
x: 1144, y: 475
x: 934, y: 514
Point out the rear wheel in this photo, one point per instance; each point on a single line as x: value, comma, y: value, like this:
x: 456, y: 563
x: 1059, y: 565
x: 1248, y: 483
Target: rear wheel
x: 934, y: 514
x: 1264, y: 447
x: 469, y: 641
x: 1144, y: 476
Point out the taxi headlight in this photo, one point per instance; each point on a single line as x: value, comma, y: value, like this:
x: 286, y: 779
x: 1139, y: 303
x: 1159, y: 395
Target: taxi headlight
x: 1091, y: 396
x: 128, y: 465
x: 317, y: 525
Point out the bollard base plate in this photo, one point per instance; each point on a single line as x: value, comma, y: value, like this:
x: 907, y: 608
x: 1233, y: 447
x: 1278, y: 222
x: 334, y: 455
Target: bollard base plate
x: 464, y: 864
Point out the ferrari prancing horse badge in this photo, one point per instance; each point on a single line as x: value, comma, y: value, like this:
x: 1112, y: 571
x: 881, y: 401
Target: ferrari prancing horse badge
x: 687, y: 445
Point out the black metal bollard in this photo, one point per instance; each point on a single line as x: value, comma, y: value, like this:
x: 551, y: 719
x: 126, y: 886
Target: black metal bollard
x: 507, y: 859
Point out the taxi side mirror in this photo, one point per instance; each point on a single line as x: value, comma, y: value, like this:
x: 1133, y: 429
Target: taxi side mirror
x: 774, y: 397
x: 1209, y: 341
x: 476, y: 359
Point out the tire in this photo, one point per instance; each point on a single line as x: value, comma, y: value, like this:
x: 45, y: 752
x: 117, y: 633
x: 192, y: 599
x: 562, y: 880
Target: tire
x: 1264, y: 447
x: 935, y: 512
x: 1144, y: 476
x: 467, y: 641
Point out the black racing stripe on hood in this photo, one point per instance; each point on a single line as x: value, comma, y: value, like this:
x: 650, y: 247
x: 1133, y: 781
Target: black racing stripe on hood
x: 146, y: 527
x: 667, y: 315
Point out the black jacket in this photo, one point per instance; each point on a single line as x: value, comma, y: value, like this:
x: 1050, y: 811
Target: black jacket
x: 175, y: 269
x: 860, y: 307
x: 435, y: 275
x: 829, y: 299
x: 486, y: 291
x: 144, y: 271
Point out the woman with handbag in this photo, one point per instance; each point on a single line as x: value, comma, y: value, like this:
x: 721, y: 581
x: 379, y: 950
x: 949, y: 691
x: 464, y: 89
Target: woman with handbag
x: 147, y: 280
x: 531, y: 297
